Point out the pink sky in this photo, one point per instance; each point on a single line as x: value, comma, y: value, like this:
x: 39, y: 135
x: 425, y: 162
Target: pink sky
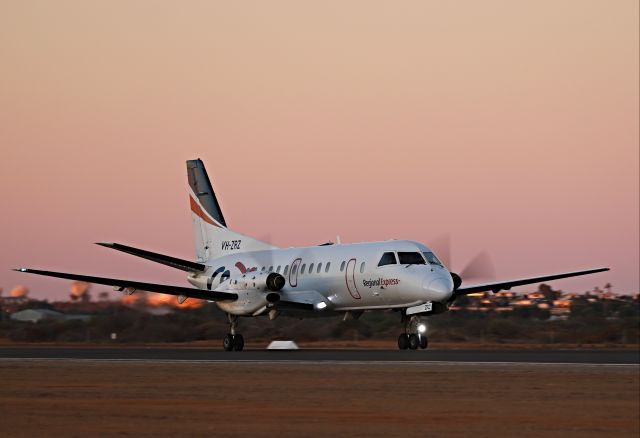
x: 512, y: 125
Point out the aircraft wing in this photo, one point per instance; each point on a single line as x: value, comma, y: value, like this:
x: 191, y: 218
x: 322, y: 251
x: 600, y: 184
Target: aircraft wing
x: 138, y: 285
x: 295, y: 305
x: 506, y: 285
x: 302, y: 300
x: 184, y: 265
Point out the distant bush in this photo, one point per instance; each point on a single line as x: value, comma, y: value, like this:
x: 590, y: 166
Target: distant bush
x: 503, y: 329
x: 617, y: 322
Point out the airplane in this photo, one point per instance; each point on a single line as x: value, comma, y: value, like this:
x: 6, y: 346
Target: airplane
x: 247, y: 277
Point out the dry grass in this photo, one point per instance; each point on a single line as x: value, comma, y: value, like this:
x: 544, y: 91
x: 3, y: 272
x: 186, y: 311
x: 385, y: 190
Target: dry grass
x: 60, y: 398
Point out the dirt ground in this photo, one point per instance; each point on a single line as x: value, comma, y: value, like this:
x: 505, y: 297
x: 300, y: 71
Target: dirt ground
x: 92, y: 398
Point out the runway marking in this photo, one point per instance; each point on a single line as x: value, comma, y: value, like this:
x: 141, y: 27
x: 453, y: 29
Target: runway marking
x: 305, y: 362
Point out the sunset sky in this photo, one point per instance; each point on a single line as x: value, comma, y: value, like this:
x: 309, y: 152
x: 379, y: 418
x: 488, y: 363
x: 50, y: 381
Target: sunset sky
x: 511, y: 125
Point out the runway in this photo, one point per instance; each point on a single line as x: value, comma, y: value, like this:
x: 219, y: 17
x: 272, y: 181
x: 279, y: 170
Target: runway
x: 596, y: 357
x: 182, y: 391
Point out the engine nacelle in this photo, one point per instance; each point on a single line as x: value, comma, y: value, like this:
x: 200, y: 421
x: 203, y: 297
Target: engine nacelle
x: 257, y: 293
x: 260, y: 281
x: 250, y: 302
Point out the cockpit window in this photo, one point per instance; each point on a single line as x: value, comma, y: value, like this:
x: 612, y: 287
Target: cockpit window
x: 388, y: 258
x: 411, y: 258
x: 432, y: 259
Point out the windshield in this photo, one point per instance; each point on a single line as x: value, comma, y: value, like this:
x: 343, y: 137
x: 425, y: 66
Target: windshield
x: 411, y: 258
x: 388, y: 258
x: 432, y: 259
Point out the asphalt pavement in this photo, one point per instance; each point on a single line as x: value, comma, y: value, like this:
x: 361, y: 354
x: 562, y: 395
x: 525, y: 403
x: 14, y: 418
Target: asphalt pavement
x: 573, y: 356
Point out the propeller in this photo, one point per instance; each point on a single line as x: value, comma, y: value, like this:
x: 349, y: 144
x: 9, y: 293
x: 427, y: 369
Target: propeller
x: 479, y: 267
x: 267, y: 239
x: 441, y: 245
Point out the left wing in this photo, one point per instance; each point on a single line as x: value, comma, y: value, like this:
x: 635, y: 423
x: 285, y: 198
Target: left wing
x: 506, y: 285
x: 188, y: 292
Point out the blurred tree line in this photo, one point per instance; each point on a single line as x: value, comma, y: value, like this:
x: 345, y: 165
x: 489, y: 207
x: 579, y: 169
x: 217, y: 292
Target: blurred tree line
x: 600, y: 322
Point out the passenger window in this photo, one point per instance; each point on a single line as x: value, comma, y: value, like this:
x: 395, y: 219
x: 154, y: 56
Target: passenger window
x: 302, y: 270
x: 294, y: 269
x: 270, y: 268
x: 278, y: 269
x: 319, y: 268
x: 262, y: 268
x: 411, y: 258
x: 311, y: 268
x: 286, y: 270
x: 362, y: 267
x: 326, y: 268
x: 388, y: 258
x: 342, y: 265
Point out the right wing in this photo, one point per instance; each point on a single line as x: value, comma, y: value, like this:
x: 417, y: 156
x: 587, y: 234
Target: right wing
x: 188, y: 292
x: 506, y: 285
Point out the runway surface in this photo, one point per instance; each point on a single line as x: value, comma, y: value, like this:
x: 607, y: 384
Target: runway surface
x: 610, y: 357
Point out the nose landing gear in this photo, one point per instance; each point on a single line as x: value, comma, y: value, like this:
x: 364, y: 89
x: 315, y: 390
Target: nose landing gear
x: 233, y: 340
x: 415, y: 334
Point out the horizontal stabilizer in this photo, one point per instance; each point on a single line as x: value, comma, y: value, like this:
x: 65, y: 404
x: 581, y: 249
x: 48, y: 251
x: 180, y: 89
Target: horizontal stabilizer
x: 184, y: 265
x: 138, y: 285
x: 506, y: 285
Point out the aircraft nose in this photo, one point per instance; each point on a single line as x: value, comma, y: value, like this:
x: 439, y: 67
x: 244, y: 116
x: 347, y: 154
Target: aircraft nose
x: 439, y: 289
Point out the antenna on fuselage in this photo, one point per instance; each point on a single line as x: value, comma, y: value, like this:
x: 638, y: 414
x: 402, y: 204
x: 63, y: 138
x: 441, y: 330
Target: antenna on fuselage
x: 338, y: 242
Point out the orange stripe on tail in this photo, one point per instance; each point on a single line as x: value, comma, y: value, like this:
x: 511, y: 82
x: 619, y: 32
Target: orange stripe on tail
x: 195, y: 207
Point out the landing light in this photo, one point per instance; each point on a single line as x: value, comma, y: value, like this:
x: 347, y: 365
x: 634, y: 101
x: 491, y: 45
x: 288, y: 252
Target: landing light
x: 422, y: 328
x: 321, y: 305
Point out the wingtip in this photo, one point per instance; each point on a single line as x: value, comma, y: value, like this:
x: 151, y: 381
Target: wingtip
x: 107, y: 244
x: 21, y: 269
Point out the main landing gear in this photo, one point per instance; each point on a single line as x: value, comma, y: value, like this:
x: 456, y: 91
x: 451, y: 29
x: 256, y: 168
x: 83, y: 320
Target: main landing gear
x: 415, y: 334
x: 233, y: 340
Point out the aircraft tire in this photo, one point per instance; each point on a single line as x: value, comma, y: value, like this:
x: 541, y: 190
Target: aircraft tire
x: 228, y: 343
x: 424, y: 342
x: 238, y: 342
x: 403, y: 341
x: 414, y: 341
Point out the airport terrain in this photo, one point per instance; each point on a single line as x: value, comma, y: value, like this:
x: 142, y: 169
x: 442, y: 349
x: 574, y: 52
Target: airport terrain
x: 196, y: 392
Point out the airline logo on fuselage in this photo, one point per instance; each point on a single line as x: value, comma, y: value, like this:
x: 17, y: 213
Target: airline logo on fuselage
x: 380, y: 282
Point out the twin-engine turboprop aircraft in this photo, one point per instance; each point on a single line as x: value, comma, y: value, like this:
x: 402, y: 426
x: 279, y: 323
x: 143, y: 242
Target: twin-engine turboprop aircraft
x: 248, y: 277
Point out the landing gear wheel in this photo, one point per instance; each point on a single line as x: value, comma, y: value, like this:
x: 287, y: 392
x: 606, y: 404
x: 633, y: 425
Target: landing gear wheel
x: 403, y: 341
x: 227, y: 343
x: 414, y: 341
x: 238, y: 342
x: 424, y: 342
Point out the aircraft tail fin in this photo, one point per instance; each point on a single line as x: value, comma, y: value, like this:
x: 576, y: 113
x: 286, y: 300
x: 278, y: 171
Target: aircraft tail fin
x: 211, y: 235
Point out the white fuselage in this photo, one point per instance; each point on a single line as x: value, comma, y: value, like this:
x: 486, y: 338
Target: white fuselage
x: 345, y: 277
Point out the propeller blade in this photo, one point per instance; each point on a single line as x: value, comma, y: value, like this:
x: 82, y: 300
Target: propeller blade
x: 441, y: 246
x: 480, y: 266
x: 267, y: 238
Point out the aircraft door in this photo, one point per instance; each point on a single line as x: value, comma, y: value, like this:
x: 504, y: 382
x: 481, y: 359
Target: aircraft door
x: 350, y: 280
x: 293, y: 272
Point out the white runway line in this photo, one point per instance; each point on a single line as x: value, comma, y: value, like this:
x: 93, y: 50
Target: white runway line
x: 308, y: 362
